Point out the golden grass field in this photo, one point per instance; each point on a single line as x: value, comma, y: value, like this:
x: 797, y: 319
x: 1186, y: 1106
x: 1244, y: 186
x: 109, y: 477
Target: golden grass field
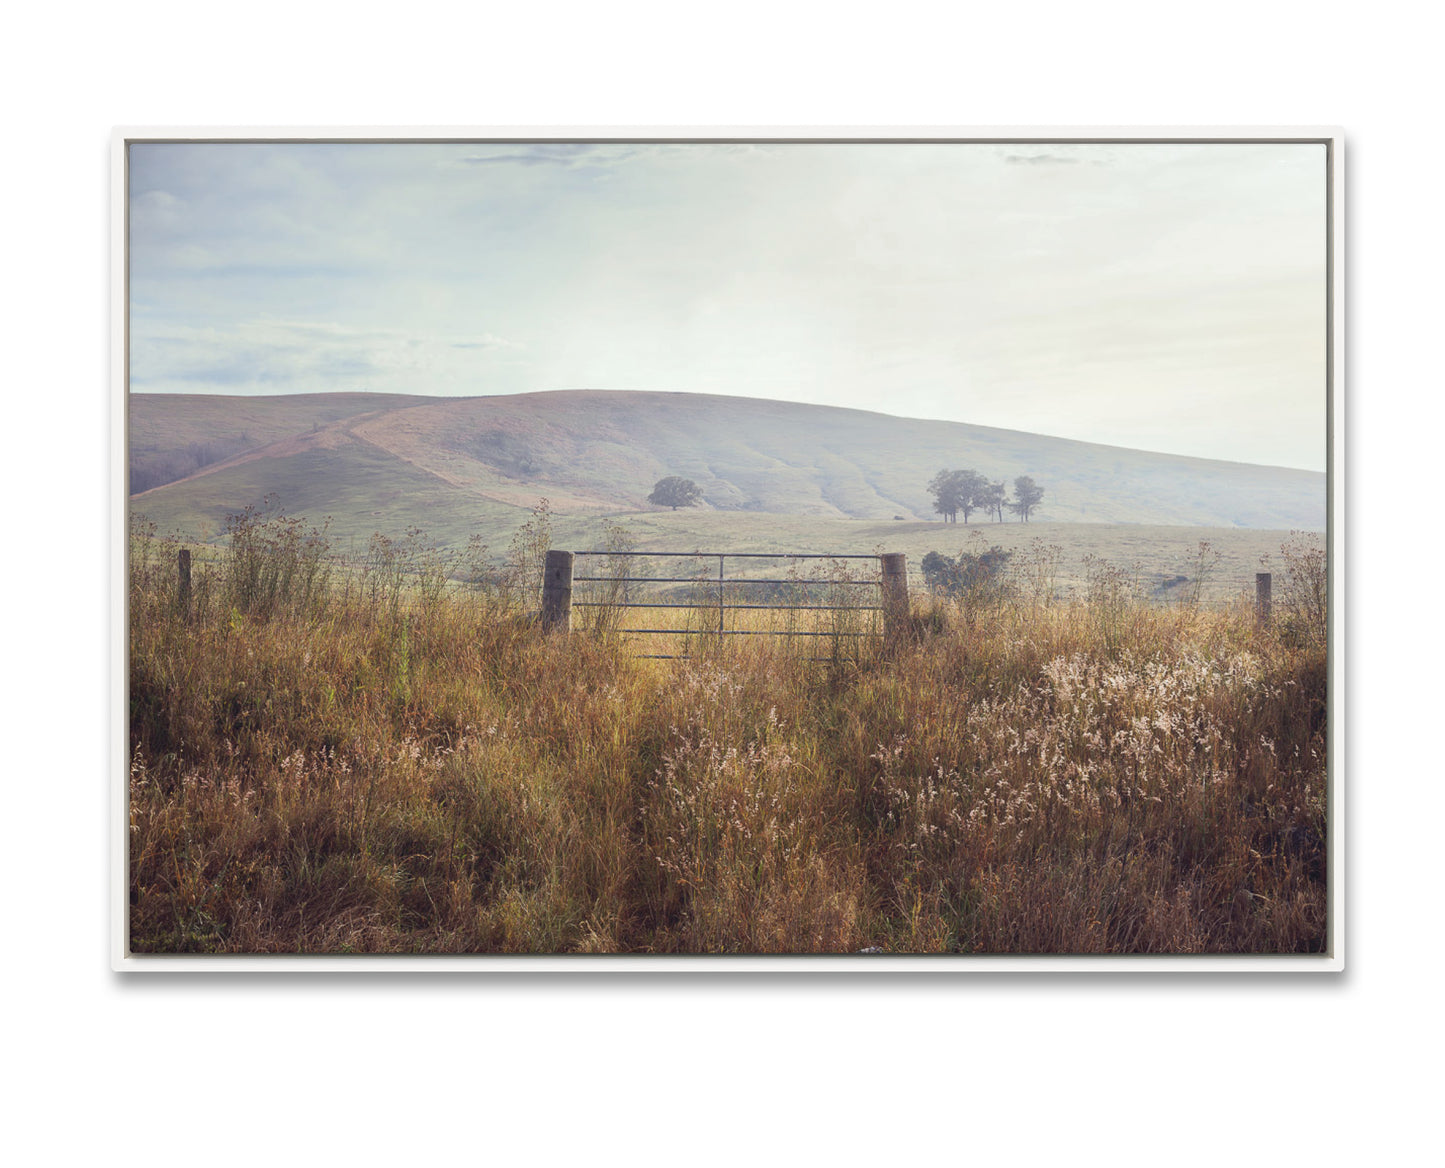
x: 385, y: 762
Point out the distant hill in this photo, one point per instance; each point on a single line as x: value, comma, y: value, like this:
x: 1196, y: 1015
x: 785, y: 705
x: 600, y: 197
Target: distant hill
x: 451, y: 465
x: 176, y: 435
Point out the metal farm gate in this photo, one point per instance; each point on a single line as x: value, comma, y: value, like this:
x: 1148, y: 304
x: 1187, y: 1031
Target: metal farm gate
x: 715, y: 596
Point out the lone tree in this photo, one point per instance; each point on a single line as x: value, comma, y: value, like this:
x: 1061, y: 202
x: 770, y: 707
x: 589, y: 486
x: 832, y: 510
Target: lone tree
x: 1027, y: 495
x: 954, y: 491
x: 675, y: 491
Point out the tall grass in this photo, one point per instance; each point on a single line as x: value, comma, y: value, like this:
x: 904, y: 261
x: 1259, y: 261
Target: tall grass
x: 276, y: 563
x: 378, y: 764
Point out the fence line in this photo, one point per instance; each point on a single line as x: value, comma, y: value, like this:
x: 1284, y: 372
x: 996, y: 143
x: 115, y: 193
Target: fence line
x: 558, y: 579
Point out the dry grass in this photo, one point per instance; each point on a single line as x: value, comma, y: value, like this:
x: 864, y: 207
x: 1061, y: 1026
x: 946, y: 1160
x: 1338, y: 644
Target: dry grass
x: 330, y: 773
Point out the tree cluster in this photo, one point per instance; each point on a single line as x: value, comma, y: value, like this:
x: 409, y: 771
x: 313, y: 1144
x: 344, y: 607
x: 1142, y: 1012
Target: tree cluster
x: 968, y: 491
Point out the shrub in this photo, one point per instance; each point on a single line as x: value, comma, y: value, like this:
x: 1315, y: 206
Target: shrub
x: 276, y: 563
x: 977, y: 578
x: 521, y: 579
x: 1305, y: 598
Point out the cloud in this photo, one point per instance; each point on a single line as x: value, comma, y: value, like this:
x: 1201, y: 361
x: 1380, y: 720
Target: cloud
x: 1040, y: 160
x: 486, y: 341
x: 322, y: 327
x: 157, y: 202
x: 155, y: 212
x: 605, y: 154
x: 246, y: 367
x: 293, y: 356
x: 539, y: 154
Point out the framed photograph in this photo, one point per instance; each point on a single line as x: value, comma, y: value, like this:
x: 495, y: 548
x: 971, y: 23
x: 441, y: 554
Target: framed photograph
x: 728, y: 549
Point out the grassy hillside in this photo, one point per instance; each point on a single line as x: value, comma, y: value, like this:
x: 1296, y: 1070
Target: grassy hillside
x: 461, y: 462
x: 176, y: 435
x: 365, y: 489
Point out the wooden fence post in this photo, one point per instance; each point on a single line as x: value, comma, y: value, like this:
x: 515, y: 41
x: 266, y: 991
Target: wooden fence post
x: 557, y: 591
x: 183, y: 565
x: 895, y: 593
x: 1263, y: 601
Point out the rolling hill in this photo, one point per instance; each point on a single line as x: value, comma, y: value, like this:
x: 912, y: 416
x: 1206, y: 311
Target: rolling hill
x: 454, y: 466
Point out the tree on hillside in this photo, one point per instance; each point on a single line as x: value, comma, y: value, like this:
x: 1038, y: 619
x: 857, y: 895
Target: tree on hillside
x: 954, y: 491
x: 991, y: 499
x: 972, y: 487
x: 1027, y: 495
x: 945, y: 495
x: 675, y: 491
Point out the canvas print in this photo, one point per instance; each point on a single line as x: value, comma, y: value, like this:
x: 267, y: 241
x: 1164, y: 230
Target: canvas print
x: 721, y: 547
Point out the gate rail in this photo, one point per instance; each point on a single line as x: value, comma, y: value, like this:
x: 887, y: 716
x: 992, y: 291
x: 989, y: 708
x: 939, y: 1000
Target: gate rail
x: 558, y: 580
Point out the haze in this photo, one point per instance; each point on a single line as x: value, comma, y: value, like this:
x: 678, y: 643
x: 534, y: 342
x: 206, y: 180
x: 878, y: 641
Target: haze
x: 1161, y: 297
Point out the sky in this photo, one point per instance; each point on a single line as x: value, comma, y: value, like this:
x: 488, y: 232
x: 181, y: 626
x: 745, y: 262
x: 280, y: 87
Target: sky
x: 1162, y: 297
